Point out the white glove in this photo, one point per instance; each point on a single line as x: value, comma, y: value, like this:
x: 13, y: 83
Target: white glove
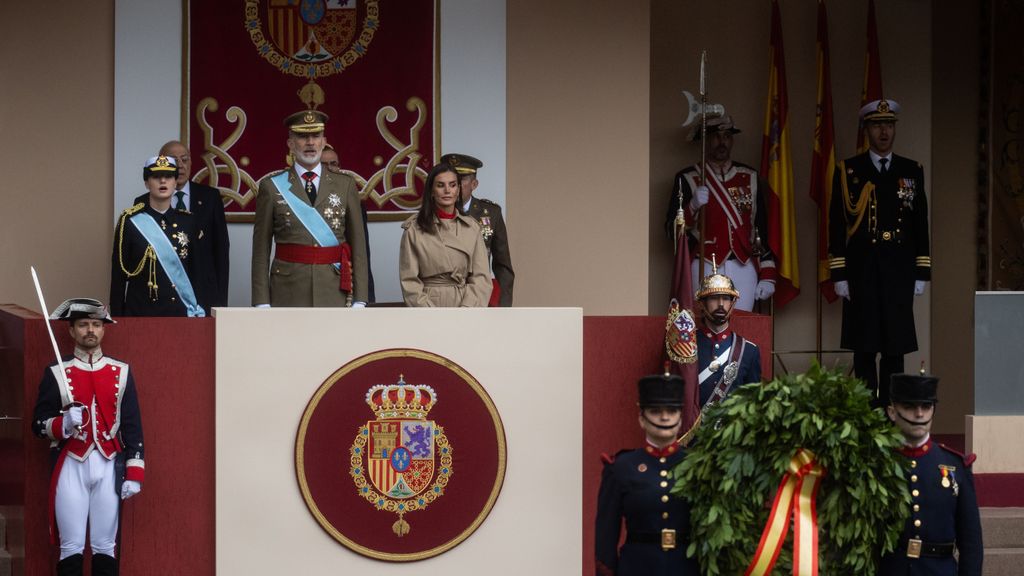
x: 130, y: 488
x: 918, y: 287
x: 262, y: 306
x: 358, y: 304
x: 72, y: 420
x: 700, y: 197
x: 764, y: 289
x: 843, y: 289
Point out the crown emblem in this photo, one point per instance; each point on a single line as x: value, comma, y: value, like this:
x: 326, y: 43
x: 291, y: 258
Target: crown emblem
x: 162, y: 162
x: 883, y: 106
x: 401, y: 400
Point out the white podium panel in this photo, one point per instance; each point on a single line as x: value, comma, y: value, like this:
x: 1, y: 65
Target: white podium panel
x: 270, y: 362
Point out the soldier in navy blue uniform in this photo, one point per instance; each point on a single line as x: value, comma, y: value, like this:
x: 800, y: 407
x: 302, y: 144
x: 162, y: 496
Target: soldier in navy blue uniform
x: 944, y: 511
x: 724, y: 358
x: 635, y: 486
x: 878, y: 250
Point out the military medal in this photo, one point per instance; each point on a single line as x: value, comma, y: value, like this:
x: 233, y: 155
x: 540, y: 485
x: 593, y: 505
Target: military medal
x: 334, y: 200
x: 642, y: 468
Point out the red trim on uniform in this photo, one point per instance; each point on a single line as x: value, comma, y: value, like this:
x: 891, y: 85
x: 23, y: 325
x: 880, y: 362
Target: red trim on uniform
x: 662, y: 452
x: 495, y: 294
x: 605, y: 458
x: 921, y: 450
x: 57, y: 427
x: 967, y: 458
x: 299, y: 254
x: 135, y: 473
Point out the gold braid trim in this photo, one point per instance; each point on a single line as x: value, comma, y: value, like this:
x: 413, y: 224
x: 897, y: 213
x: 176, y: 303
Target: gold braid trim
x: 866, y: 193
x: 148, y: 255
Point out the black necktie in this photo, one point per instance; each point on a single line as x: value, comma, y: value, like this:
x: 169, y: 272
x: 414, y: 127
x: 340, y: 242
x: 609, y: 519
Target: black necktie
x: 883, y: 165
x: 310, y: 188
x: 180, y: 194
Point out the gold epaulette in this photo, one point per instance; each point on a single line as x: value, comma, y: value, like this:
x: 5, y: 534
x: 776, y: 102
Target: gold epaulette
x: 134, y: 209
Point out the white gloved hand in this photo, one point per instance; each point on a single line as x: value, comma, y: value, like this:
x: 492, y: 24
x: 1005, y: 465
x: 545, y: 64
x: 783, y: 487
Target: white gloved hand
x: 843, y: 289
x: 72, y: 420
x: 262, y: 306
x: 700, y: 197
x: 358, y: 304
x: 130, y: 488
x: 918, y: 287
x: 764, y: 289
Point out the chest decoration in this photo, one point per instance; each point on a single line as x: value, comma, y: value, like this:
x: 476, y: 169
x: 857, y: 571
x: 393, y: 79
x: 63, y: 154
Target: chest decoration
x: 948, y: 478
x: 334, y: 215
x: 906, y: 190
x: 334, y: 200
x: 181, y: 239
x: 485, y: 228
x: 742, y: 198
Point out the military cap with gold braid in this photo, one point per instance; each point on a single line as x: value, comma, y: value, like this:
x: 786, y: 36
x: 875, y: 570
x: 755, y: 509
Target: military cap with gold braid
x: 160, y: 166
x: 716, y: 283
x: 462, y: 163
x: 880, y: 111
x: 310, y: 120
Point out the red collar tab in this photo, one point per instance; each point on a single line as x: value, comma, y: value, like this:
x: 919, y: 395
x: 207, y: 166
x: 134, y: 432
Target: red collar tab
x: 662, y: 452
x: 912, y: 452
x: 720, y: 337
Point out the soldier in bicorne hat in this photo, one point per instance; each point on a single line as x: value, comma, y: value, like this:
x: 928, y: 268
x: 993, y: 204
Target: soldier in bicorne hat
x: 492, y: 226
x: 724, y: 358
x: 91, y: 418
x: 944, y: 514
x: 312, y: 219
x: 878, y: 249
x: 635, y: 486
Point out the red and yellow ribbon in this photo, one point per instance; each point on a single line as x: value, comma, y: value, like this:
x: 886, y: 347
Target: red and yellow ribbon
x: 796, y: 497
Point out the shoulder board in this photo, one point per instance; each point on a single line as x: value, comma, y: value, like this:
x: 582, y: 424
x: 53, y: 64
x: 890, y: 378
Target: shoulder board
x: 134, y: 209
x: 606, y: 459
x: 749, y: 342
x: 486, y: 201
x: 967, y: 458
x: 275, y: 173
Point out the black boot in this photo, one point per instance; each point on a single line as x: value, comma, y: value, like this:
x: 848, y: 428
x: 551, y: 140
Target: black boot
x: 70, y: 566
x: 103, y: 565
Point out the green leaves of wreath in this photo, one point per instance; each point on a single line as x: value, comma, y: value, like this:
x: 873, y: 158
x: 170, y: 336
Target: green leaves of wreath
x: 732, y: 471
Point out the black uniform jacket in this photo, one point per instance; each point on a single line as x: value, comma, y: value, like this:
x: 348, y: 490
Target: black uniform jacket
x: 710, y: 346
x: 212, y: 271
x: 635, y: 486
x: 878, y: 242
x: 944, y: 512
x: 492, y: 226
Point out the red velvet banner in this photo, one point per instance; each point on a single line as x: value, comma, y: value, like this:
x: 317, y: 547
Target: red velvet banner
x: 400, y: 455
x: 375, y: 61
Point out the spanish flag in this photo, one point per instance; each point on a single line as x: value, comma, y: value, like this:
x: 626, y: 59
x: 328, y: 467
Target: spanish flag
x: 823, y: 160
x: 777, y: 169
x: 872, y: 73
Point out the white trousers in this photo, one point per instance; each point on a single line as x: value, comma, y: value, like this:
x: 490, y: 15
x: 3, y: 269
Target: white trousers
x: 744, y: 276
x: 85, y: 493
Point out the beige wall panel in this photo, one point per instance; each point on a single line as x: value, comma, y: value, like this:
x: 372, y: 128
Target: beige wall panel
x: 996, y: 441
x: 56, y: 115
x: 536, y: 383
x: 578, y: 102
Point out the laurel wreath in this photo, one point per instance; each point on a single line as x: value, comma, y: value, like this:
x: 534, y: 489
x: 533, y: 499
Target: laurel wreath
x: 731, y: 473
x: 381, y: 501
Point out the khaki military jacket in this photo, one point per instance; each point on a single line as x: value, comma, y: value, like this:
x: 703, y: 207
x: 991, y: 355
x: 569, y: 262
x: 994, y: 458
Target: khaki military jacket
x: 449, y: 268
x: 310, y: 285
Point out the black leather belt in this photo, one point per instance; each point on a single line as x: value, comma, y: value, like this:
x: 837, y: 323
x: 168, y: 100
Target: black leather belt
x: 666, y: 538
x: 918, y: 549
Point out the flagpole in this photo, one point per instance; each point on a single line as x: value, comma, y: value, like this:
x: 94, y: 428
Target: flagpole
x: 703, y: 155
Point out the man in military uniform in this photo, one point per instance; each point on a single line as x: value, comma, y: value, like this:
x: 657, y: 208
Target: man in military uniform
x: 732, y: 201
x: 153, y: 270
x: 313, y: 217
x: 88, y: 409
x: 211, y: 243
x: 635, y: 486
x: 724, y: 358
x: 944, y: 511
x: 492, y: 226
x: 878, y: 249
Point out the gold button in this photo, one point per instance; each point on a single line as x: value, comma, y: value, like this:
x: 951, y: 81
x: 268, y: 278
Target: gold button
x: 917, y: 507
x: 915, y: 493
x: 664, y: 473
x: 664, y: 498
x: 664, y: 515
x: 913, y: 463
x: 886, y: 235
x: 662, y: 460
x: 917, y: 523
x: 664, y: 484
x: 913, y: 477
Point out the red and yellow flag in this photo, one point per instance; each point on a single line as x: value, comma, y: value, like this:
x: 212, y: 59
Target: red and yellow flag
x: 681, y: 331
x: 872, y: 73
x: 777, y: 169
x: 823, y: 159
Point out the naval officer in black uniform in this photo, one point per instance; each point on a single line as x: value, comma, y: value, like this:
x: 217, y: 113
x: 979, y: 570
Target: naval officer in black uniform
x: 878, y: 249
x: 635, y: 486
x: 944, y: 511
x: 725, y: 359
x: 492, y: 226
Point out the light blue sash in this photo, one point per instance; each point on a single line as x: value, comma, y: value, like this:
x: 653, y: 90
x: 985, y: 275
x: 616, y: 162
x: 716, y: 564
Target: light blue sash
x: 169, y: 260
x: 306, y: 214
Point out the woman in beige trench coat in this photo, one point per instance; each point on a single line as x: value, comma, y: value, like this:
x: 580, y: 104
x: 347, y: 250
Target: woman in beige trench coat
x: 443, y: 258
